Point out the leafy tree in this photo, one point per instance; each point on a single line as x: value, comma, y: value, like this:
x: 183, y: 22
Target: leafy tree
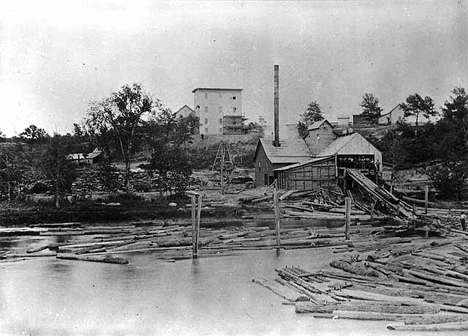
x: 450, y: 179
x: 33, y: 134
x: 371, y: 108
x: 312, y: 114
x: 78, y: 131
x: 451, y: 147
x: 55, y: 165
x: 455, y: 111
x: 108, y: 174
x: 12, y: 167
x: 394, y: 152
x: 2, y: 136
x: 169, y: 157
x: 416, y: 105
x: 119, y: 116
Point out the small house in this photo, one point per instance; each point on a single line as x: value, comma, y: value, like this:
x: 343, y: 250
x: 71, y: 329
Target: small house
x: 86, y: 158
x: 319, y: 136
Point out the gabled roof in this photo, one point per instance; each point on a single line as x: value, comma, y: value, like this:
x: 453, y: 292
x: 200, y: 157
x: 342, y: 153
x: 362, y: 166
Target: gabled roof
x: 317, y: 124
x: 338, y: 144
x: 289, y: 151
x: 185, y: 106
x: 389, y: 112
x: 359, y: 146
x: 85, y: 156
x: 296, y: 165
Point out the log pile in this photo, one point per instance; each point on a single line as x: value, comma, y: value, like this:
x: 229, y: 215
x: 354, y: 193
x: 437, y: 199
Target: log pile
x: 418, y: 286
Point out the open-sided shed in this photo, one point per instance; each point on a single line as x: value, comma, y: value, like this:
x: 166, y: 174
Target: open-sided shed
x: 314, y: 174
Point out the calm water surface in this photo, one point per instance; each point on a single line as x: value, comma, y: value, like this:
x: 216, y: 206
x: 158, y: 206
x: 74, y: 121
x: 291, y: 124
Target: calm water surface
x: 213, y: 296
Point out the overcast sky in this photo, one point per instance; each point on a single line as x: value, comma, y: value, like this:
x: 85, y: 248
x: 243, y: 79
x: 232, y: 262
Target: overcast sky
x: 57, y: 56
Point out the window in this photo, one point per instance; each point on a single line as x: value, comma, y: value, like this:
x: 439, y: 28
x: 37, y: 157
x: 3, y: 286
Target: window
x: 259, y: 166
x: 206, y: 120
x: 234, y: 98
x: 220, y: 121
x: 220, y: 109
x: 221, y: 130
x: 234, y: 109
x: 206, y: 95
x: 206, y: 109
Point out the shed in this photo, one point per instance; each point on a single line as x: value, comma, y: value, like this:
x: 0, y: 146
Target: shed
x: 268, y: 158
x: 313, y: 174
x: 325, y: 170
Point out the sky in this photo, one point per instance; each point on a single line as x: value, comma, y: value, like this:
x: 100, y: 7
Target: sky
x: 58, y: 56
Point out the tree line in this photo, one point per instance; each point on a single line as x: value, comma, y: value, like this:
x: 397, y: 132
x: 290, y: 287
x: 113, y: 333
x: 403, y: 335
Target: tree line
x: 118, y: 125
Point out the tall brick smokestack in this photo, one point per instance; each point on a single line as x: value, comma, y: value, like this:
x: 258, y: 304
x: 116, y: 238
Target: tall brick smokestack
x: 276, y: 142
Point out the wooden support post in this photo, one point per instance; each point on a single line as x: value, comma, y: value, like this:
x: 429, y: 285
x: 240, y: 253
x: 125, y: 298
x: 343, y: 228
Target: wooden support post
x: 277, y: 216
x: 347, y: 216
x: 198, y: 220
x: 196, y: 215
x: 426, y: 198
x: 194, y: 225
x: 372, y: 214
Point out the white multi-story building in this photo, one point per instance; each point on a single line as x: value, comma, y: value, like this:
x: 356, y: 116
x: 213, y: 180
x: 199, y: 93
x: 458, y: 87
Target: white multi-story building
x: 214, y: 105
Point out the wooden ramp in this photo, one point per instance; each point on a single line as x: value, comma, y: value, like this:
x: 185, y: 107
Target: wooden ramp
x: 380, y: 194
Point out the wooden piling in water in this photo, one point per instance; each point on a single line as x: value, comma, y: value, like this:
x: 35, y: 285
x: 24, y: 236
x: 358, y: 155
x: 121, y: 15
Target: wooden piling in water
x: 347, y: 217
x: 277, y: 217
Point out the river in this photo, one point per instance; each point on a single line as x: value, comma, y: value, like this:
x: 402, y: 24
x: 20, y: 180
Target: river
x: 209, y: 296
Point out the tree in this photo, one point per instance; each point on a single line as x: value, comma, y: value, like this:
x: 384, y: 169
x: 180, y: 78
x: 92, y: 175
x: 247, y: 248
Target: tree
x: 416, y: 105
x: 455, y: 111
x: 120, y: 115
x: 312, y: 114
x: 33, y: 134
x: 12, y: 166
x: 55, y: 165
x: 371, y: 109
x: 451, y: 147
x: 2, y: 136
x: 169, y: 157
x: 393, y: 152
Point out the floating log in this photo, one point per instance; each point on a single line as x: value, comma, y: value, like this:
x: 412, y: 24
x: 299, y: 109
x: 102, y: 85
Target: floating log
x: 354, y: 268
x: 134, y: 246
x: 370, y: 316
x: 55, y: 225
x: 454, y: 326
x: 435, y: 319
x: 94, y: 258
x: 283, y: 291
x: 367, y: 306
x: 31, y: 255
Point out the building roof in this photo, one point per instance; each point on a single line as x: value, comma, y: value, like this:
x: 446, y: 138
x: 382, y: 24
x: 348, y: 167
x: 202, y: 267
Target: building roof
x: 289, y: 151
x: 337, y: 145
x: 85, y: 156
x: 389, y: 112
x: 296, y: 165
x: 317, y: 124
x: 215, y: 89
x: 185, y: 106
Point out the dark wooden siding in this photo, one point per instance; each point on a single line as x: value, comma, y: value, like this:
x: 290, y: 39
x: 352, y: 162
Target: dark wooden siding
x: 263, y: 166
x: 310, y: 176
